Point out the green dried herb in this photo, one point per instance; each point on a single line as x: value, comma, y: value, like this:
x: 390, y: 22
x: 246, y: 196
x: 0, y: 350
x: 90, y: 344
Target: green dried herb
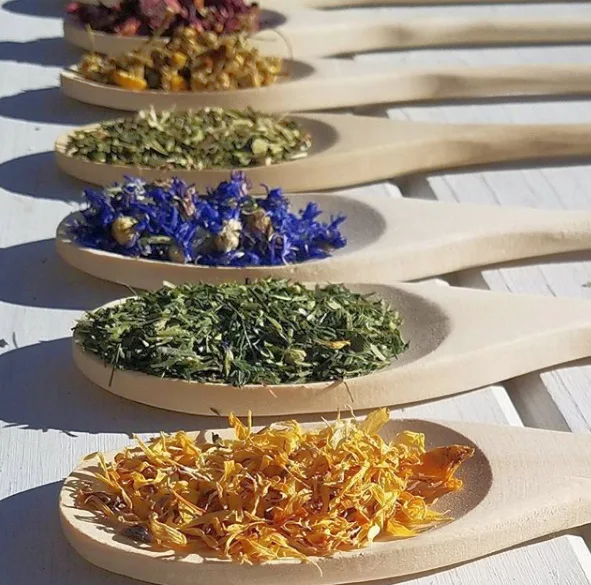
x: 267, y: 332
x: 210, y: 138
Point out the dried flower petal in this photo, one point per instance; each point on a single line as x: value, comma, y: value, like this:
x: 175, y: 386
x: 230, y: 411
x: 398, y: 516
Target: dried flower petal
x: 220, y: 16
x: 208, y: 62
x: 166, y: 535
x: 227, y: 226
x: 281, y: 492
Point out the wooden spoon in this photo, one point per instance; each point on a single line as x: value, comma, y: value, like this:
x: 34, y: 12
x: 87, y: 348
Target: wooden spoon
x: 460, y: 339
x: 334, y: 83
x: 373, y: 3
x: 520, y: 485
x: 314, y: 33
x: 404, y: 239
x: 349, y: 150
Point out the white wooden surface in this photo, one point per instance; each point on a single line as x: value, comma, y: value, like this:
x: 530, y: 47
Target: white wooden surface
x: 50, y: 417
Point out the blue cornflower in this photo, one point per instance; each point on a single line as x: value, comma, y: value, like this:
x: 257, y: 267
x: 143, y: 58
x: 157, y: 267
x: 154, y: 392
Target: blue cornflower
x: 224, y: 227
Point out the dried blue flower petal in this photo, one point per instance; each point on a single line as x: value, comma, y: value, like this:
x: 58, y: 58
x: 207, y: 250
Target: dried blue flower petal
x: 224, y: 227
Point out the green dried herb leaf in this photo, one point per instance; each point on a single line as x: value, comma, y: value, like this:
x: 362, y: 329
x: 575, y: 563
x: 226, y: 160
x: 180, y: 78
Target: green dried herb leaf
x: 267, y: 332
x: 203, y: 139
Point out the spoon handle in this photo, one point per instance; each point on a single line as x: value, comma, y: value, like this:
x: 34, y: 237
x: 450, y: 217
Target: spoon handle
x: 457, y: 83
x: 447, y: 237
x: 433, y: 32
x: 344, y: 32
x: 370, y: 149
x: 464, y: 146
x: 545, y: 449
x: 352, y: 3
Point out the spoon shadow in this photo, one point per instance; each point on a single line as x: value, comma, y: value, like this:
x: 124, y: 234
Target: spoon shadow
x: 559, y: 162
x: 54, y: 395
x: 36, y: 175
x: 34, y: 549
x: 46, y: 8
x: 55, y: 285
x: 48, y: 105
x: 51, y: 51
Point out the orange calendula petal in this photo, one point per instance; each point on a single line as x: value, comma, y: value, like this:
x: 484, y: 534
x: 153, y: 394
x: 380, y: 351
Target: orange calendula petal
x: 280, y: 492
x: 374, y: 421
x: 166, y: 535
x: 441, y: 463
x: 128, y: 81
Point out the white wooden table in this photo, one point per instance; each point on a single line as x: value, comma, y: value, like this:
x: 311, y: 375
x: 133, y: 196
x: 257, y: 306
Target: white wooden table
x: 50, y: 416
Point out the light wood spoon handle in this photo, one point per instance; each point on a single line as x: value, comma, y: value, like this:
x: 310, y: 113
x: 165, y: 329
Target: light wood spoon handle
x: 568, y: 454
x: 350, y: 3
x: 447, y: 237
x: 472, y: 145
x: 434, y: 32
x: 370, y: 149
x: 345, y: 32
x: 451, y: 83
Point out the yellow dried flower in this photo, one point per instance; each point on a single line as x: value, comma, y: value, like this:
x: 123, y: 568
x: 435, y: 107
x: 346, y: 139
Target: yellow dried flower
x: 202, y: 62
x: 123, y: 229
x: 229, y: 238
x: 281, y: 492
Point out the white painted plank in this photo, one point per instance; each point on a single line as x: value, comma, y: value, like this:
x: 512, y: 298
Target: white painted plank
x: 560, y: 561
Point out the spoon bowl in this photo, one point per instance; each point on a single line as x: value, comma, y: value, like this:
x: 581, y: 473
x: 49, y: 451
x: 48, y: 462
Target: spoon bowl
x: 506, y: 492
x: 364, y: 229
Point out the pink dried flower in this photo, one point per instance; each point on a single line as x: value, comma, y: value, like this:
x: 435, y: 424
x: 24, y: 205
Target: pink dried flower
x: 155, y: 11
x: 129, y: 27
x: 122, y: 16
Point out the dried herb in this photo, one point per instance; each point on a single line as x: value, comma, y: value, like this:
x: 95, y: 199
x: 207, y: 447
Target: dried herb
x: 144, y: 17
x: 138, y: 533
x: 281, y: 492
x: 202, y: 139
x: 207, y: 62
x: 169, y: 221
x: 267, y: 332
